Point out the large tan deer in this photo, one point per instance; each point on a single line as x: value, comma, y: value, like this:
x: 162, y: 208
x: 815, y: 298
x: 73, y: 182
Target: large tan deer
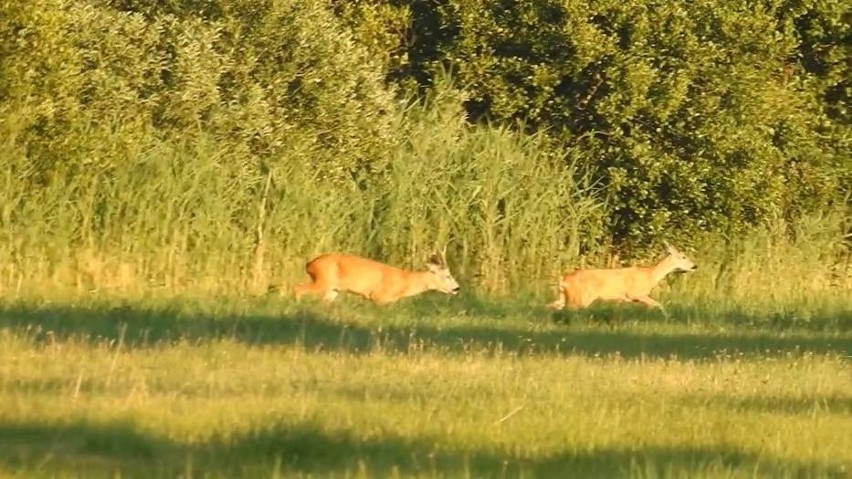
x: 381, y: 283
x: 581, y: 288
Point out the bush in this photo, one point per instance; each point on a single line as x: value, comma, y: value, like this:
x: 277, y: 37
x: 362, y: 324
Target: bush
x: 259, y: 78
x: 697, y: 116
x: 219, y: 145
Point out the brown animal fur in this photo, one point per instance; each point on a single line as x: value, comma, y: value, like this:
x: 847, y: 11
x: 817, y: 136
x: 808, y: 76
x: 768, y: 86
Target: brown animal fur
x: 581, y: 288
x: 381, y: 283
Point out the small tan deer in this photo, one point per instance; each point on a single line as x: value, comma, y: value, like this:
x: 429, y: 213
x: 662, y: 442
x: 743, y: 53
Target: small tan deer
x: 381, y: 283
x: 581, y: 288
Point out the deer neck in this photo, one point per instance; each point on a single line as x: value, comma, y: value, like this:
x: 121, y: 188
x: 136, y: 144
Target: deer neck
x: 418, y: 282
x: 662, y: 269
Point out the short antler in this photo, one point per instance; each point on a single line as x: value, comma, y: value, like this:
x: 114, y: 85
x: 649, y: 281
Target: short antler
x: 439, y: 257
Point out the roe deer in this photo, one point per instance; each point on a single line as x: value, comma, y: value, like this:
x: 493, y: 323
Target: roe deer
x: 381, y: 283
x: 581, y: 288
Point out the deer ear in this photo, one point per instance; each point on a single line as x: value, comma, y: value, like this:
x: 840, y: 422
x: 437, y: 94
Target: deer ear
x: 669, y: 247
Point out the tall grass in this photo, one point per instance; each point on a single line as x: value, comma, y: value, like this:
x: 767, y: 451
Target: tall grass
x: 177, y: 218
x: 165, y: 150
x: 196, y: 216
x: 775, y: 273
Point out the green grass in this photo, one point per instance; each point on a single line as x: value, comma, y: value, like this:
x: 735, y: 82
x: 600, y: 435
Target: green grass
x: 433, y: 387
x: 146, y: 205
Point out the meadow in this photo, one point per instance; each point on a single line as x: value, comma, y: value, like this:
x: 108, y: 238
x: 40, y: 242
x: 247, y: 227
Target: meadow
x: 431, y: 387
x: 166, y: 169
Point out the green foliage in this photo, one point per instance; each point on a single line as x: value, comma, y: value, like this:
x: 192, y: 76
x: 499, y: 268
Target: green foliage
x: 822, y: 28
x: 173, y: 141
x: 506, y: 201
x: 145, y: 132
x: 219, y: 189
x: 686, y: 110
x: 261, y: 79
x: 385, y: 29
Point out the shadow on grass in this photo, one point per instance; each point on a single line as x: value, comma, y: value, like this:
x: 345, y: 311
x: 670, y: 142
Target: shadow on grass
x: 816, y: 321
x: 833, y: 404
x: 112, y: 449
x: 318, y: 329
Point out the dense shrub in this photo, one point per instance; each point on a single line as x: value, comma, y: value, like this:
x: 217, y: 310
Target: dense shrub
x: 258, y: 77
x: 697, y: 116
x: 174, y: 141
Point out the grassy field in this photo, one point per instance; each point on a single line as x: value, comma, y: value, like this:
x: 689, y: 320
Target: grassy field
x: 432, y: 387
x: 165, y: 165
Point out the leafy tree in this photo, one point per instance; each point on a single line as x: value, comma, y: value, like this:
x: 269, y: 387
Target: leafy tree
x: 696, y: 116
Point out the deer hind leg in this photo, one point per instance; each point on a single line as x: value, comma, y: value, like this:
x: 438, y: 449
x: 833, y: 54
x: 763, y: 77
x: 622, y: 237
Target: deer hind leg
x: 647, y: 300
x: 577, y: 298
x: 314, y: 287
x: 579, y: 303
x: 574, y: 305
x: 569, y: 296
x: 559, y: 303
x: 329, y: 296
x: 570, y: 299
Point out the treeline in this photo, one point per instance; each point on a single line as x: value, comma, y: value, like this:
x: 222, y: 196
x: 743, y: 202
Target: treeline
x: 695, y: 115
x: 166, y: 141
